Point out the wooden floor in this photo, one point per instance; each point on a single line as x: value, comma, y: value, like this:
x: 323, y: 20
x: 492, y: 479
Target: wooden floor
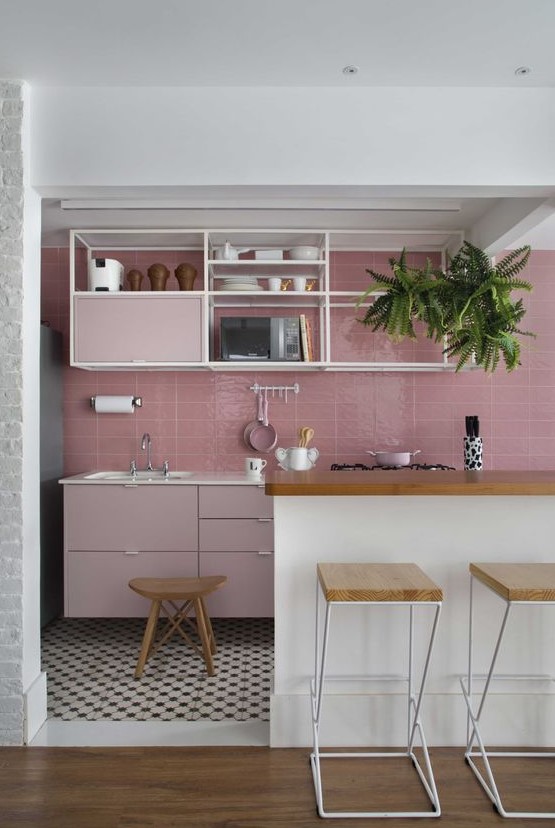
x: 234, y: 787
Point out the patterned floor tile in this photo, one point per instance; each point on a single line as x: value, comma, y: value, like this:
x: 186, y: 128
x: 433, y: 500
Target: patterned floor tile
x: 91, y: 662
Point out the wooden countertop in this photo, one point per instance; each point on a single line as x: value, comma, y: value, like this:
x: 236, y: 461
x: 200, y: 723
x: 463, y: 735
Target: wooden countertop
x: 409, y: 482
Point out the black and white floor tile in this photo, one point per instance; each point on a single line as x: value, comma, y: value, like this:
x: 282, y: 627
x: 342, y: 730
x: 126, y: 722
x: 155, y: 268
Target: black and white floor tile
x: 90, y: 664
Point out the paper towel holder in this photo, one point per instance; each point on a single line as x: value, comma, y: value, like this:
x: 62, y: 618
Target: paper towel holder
x: 136, y: 402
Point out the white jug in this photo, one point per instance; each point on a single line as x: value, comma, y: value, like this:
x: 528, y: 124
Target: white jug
x: 297, y: 458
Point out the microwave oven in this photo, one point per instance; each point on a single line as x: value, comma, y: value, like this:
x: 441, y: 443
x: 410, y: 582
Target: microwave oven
x: 275, y: 338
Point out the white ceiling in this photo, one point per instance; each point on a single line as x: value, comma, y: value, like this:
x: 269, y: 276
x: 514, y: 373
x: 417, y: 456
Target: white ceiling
x: 287, y: 43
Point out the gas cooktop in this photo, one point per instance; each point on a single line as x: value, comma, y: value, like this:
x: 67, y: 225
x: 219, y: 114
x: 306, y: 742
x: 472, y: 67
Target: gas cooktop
x: 414, y: 466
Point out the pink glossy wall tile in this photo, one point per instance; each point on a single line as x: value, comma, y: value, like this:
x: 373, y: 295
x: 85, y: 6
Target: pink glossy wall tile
x: 197, y: 419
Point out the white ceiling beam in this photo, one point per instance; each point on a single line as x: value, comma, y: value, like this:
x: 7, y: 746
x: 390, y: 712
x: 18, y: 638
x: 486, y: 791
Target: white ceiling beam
x: 508, y: 221
x: 259, y: 203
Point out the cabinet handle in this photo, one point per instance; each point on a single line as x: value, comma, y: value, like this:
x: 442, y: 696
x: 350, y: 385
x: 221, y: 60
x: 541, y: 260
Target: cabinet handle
x: 264, y: 520
x: 260, y: 552
x: 131, y: 552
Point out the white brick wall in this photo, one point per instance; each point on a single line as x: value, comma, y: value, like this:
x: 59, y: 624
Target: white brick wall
x: 11, y: 413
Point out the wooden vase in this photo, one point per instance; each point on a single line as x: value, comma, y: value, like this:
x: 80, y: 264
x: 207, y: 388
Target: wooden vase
x: 158, y: 275
x: 135, y: 279
x: 185, y: 274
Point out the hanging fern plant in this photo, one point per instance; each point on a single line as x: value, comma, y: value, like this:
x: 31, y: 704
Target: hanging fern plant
x: 470, y: 306
x: 482, y: 320
x: 407, y: 295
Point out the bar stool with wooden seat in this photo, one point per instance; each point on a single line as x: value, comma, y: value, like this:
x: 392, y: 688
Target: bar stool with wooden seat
x: 383, y: 584
x: 517, y: 584
x: 176, y: 598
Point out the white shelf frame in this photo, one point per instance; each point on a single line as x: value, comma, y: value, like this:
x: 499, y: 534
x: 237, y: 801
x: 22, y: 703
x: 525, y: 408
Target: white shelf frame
x: 324, y: 299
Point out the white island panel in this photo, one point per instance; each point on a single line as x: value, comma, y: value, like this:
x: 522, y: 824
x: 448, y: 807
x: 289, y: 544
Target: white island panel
x: 442, y: 535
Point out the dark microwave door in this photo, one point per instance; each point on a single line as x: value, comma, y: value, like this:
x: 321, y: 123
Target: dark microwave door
x: 245, y: 338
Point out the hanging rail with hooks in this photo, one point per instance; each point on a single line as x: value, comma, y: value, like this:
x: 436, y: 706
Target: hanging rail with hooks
x: 281, y: 390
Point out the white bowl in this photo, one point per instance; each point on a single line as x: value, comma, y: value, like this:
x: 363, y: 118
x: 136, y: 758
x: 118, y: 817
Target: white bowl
x: 304, y: 252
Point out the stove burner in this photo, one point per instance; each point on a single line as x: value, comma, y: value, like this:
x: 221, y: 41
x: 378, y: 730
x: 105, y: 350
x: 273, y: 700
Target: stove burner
x: 413, y: 466
x: 349, y: 467
x: 431, y: 467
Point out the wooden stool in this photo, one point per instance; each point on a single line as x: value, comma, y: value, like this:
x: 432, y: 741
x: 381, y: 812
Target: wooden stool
x: 515, y: 584
x: 176, y: 597
x: 357, y: 584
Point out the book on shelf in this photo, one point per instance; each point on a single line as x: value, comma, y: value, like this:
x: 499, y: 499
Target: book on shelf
x: 307, y: 347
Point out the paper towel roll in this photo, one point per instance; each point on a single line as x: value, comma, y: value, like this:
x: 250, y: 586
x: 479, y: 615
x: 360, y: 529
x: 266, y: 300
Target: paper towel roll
x: 114, y: 405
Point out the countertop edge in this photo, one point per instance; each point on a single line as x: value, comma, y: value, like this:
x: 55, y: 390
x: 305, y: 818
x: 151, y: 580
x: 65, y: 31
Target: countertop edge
x: 196, y: 479
x: 409, y: 482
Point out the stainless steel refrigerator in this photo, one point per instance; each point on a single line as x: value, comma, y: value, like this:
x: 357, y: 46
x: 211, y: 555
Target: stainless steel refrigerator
x: 51, y: 469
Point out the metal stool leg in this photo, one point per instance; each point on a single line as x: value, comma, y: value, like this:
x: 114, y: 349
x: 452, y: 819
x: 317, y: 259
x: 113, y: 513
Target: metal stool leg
x: 414, y: 724
x: 475, y: 747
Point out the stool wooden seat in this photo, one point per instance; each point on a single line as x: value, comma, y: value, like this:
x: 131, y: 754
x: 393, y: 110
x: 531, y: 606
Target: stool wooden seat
x: 518, y: 581
x: 514, y: 583
x: 177, y: 597
x: 376, y: 582
x: 385, y: 584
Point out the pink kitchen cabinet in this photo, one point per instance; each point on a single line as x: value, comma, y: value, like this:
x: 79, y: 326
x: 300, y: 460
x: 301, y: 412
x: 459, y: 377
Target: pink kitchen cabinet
x: 117, y: 532
x: 236, y: 538
x: 97, y: 580
x: 124, y: 329
x: 249, y: 591
x: 235, y: 502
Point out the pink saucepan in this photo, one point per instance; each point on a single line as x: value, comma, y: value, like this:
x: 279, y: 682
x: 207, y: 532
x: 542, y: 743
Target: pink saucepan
x: 263, y: 436
x: 249, y: 428
x: 393, y: 458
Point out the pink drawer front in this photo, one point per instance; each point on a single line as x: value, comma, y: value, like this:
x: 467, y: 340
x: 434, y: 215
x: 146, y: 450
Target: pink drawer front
x: 96, y: 582
x: 234, y: 502
x: 249, y: 591
x: 238, y: 535
x: 131, y: 518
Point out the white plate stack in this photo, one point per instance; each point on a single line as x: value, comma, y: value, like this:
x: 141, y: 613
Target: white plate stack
x: 240, y: 283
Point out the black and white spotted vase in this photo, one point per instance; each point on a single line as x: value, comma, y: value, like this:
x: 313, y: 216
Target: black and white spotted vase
x: 473, y: 453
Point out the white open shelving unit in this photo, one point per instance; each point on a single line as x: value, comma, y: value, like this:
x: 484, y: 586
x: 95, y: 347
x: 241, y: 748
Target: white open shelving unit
x: 151, y: 325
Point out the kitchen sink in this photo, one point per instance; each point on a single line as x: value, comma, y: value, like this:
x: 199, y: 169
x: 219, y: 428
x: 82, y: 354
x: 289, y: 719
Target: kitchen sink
x: 141, y: 476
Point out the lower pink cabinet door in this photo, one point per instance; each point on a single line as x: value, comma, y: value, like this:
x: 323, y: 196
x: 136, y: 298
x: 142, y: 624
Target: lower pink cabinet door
x: 249, y: 591
x: 96, y: 583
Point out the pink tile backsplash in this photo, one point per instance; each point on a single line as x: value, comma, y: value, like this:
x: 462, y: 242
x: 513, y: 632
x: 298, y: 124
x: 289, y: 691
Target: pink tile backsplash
x: 196, y: 419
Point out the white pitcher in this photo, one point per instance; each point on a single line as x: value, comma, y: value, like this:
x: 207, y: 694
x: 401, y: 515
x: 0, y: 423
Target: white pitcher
x: 297, y: 458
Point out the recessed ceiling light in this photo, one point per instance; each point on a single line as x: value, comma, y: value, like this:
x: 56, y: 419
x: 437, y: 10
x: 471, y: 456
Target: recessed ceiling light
x: 350, y: 69
x: 523, y: 70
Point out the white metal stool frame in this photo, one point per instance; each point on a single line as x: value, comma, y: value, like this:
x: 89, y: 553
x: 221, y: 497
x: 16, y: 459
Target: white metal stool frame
x: 473, y: 718
x: 414, y: 702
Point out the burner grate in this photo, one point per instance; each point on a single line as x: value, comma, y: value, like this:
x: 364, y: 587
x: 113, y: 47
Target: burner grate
x: 413, y: 466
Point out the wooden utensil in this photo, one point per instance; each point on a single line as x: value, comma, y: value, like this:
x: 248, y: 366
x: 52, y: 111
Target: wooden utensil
x: 305, y: 436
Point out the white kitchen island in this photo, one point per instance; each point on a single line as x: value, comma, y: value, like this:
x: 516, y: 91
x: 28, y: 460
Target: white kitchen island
x: 440, y: 521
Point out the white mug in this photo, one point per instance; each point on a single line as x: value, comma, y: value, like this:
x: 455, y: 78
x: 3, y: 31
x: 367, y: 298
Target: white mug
x: 299, y: 283
x: 274, y: 283
x: 254, y: 466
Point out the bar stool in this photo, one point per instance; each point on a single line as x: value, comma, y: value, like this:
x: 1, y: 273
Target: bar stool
x: 363, y: 584
x: 517, y: 584
x: 176, y: 598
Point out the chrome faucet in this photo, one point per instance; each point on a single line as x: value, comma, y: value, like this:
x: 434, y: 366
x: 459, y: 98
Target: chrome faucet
x: 133, y: 469
x: 146, y: 444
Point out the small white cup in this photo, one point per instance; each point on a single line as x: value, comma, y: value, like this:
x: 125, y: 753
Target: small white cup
x: 299, y: 283
x: 254, y: 466
x: 274, y: 283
